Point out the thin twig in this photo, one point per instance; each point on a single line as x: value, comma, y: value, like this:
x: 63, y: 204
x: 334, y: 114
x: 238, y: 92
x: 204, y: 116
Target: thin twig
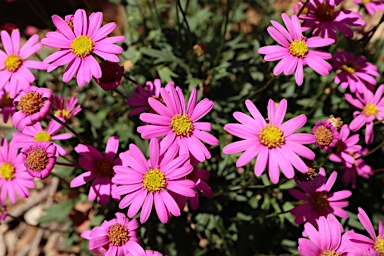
x: 69, y: 128
x: 186, y: 22
x: 67, y: 164
x: 130, y: 79
x: 373, y: 150
x: 302, y: 8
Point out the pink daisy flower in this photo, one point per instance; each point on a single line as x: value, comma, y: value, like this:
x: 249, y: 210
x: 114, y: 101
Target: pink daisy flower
x: 13, y: 174
x: 6, y: 105
x: 372, y: 107
x: 140, y: 99
x: 14, y: 68
x: 99, y: 169
x: 345, y: 147
x: 374, y: 243
x: 317, y: 200
x: 137, y: 250
x: 64, y: 107
x: 179, y: 123
x: 35, y: 133
x: 353, y: 72
x: 147, y: 182
x: 359, y: 167
x: 326, y: 134
x: 270, y: 141
x: 39, y: 158
x: 325, y: 240
x: 199, y: 176
x: 323, y: 18
x: 78, y: 45
x: 111, y: 74
x: 294, y: 53
x: 372, y: 6
x: 35, y: 105
x: 113, y: 237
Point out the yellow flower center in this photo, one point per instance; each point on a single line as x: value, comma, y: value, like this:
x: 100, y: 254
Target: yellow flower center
x: 7, y: 171
x: 82, y: 46
x: 271, y: 136
x: 379, y: 245
x: 365, y: 1
x: 325, y: 12
x: 37, y: 159
x: 154, y: 180
x: 298, y: 48
x: 104, y: 168
x: 118, y: 235
x: 324, y: 136
x: 370, y: 109
x: 42, y: 136
x: 182, y: 125
x: 329, y: 253
x: 350, y: 67
x: 6, y: 100
x: 13, y: 62
x: 319, y: 201
x: 63, y: 113
x: 31, y: 103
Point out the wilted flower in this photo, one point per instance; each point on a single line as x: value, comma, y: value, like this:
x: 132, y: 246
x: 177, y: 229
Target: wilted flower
x: 111, y: 74
x: 6, y: 105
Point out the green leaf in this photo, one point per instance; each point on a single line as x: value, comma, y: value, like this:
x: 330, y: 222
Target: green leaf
x: 58, y: 212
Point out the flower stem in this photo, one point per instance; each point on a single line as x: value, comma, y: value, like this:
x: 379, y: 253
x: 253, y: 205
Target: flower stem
x: 302, y: 8
x: 69, y: 128
x: 374, y: 150
x: 129, y: 78
x: 67, y: 164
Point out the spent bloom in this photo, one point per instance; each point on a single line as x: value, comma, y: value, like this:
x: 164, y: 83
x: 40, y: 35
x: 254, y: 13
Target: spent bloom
x: 148, y: 182
x: 294, y: 52
x: 372, y: 6
x: 113, y: 237
x: 6, y: 105
x: 324, y: 240
x: 326, y: 134
x: 65, y: 107
x: 3, y: 212
x: 99, y: 168
x: 324, y: 19
x: 270, y: 140
x: 140, y: 99
x: 372, y: 108
x: 78, y: 45
x: 34, y: 105
x: 373, y: 243
x: 179, y: 123
x: 318, y: 200
x: 14, y: 68
x: 353, y: 72
x: 35, y: 133
x: 14, y: 177
x: 39, y: 158
x: 111, y: 74
x: 359, y: 167
x: 345, y: 147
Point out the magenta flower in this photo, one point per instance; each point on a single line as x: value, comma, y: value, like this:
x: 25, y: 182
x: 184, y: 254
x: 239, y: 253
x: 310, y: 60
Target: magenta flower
x: 111, y: 74
x: 35, y: 105
x: 78, y: 45
x: 14, y: 68
x: 325, y: 240
x: 270, y: 141
x: 64, y: 107
x: 324, y: 19
x: 35, y: 133
x: 148, y: 181
x: 359, y: 167
x: 372, y: 107
x: 140, y: 99
x: 113, y: 237
x: 294, y: 53
x: 3, y: 212
x: 13, y: 174
x: 6, y: 105
x: 39, y: 158
x: 136, y: 250
x: 374, y: 243
x: 326, y: 134
x: 372, y: 6
x: 179, y: 123
x: 353, y: 72
x: 317, y: 200
x: 345, y: 147
x: 99, y: 169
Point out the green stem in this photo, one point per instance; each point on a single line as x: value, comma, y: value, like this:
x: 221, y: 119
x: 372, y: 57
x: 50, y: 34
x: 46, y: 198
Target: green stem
x: 69, y: 128
x: 130, y: 79
x: 186, y: 22
x: 374, y: 150
x: 272, y: 79
x: 67, y: 164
